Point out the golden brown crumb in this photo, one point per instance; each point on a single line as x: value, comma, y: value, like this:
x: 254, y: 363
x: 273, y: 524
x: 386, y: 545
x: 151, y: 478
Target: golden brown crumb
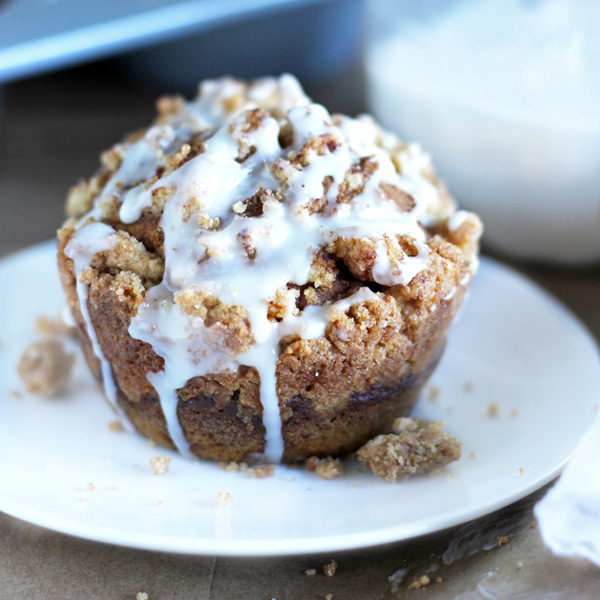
x: 502, y: 540
x: 115, y: 426
x: 326, y: 468
x: 434, y: 393
x: 90, y: 487
x: 419, y: 583
x: 330, y: 568
x: 533, y: 524
x: 328, y: 596
x: 224, y: 499
x: 230, y: 467
x: 47, y: 326
x: 260, y: 472
x: 141, y: 596
x: 310, y: 572
x: 493, y: 410
x: 160, y: 464
x: 472, y: 454
x: 521, y: 471
x: 45, y: 367
x: 439, y: 580
x: 514, y: 412
x: 415, y: 447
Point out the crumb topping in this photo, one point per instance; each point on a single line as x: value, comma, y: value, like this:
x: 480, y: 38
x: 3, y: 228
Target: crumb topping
x: 414, y: 447
x: 251, y: 182
x: 45, y: 367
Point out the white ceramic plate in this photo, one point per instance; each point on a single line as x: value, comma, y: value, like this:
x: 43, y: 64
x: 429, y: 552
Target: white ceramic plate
x: 514, y: 348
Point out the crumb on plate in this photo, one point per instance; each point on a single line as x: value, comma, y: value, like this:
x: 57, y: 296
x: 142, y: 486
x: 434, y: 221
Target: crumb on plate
x: 160, y: 464
x: 45, y: 367
x: 416, y: 446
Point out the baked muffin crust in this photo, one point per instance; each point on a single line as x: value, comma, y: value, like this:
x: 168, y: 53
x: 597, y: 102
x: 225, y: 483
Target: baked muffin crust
x: 254, y: 275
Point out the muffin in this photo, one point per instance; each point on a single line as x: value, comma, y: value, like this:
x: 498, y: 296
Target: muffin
x: 252, y: 276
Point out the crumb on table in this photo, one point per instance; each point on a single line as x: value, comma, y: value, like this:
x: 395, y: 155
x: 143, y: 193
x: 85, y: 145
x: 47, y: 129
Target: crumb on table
x: 420, y: 582
x: 141, y: 596
x: 330, y: 568
x: 326, y: 468
x: 160, y: 464
x: 415, y: 446
x: 45, y: 367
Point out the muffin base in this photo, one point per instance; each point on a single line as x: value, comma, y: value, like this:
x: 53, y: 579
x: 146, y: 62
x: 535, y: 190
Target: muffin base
x: 233, y: 432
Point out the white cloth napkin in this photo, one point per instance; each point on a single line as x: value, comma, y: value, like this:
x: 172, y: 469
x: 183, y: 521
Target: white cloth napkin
x: 569, y: 515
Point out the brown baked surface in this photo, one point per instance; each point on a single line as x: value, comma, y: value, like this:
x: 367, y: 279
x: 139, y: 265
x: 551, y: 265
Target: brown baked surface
x: 335, y: 392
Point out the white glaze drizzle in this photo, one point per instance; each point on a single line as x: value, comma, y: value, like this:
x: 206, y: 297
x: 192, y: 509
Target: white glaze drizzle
x: 82, y: 247
x: 284, y: 237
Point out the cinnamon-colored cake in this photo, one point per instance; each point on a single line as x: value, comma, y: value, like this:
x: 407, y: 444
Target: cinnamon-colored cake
x: 254, y: 276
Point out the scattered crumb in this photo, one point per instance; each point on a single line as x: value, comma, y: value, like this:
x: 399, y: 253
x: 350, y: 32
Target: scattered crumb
x: 45, y: 367
x: 420, y: 583
x: 160, y: 464
x: 520, y: 564
x: 331, y: 568
x: 90, y: 487
x: 112, y: 488
x: 360, y: 471
x: 326, y: 468
x: 48, y: 326
x: 224, y: 499
x: 328, y: 596
x: 468, y: 386
x: 158, y: 503
x: 84, y: 500
x: 439, y: 580
x: 16, y: 394
x: 533, y: 524
x: 115, y: 426
x: 310, y: 572
x: 231, y: 467
x: 415, y: 447
x: 293, y: 479
x: 434, y: 393
x: 151, y: 444
x: 472, y: 454
x: 514, y: 412
x: 521, y: 471
x: 260, y: 472
x: 141, y: 596
x: 493, y: 410
x: 502, y: 540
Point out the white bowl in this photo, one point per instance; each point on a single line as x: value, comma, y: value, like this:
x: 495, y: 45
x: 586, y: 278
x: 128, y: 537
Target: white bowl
x: 529, y: 165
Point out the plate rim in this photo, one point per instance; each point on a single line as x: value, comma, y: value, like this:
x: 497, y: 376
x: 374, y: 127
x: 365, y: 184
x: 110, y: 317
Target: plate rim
x: 248, y: 547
